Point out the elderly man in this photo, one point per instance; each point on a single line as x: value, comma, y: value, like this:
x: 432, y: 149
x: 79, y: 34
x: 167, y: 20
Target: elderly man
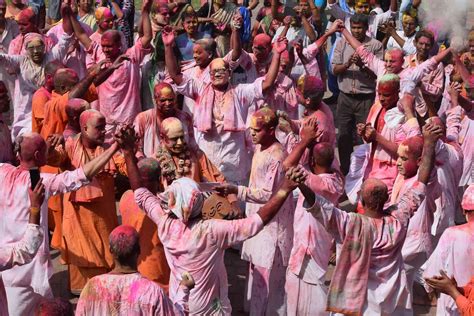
x: 23, y: 251
x: 25, y: 284
x: 356, y: 83
x: 119, y: 95
x: 453, y: 254
x: 221, y: 111
x: 269, y: 250
x: 151, y: 260
x: 202, y: 256
x: 148, y: 123
x: 124, y: 291
x: 89, y: 214
x: 369, y: 276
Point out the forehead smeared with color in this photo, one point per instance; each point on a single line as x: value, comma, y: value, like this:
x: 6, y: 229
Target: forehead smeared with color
x: 265, y: 117
x: 262, y: 40
x: 309, y: 84
x: 395, y: 53
x: 89, y: 115
x: 149, y: 168
x: 390, y: 82
x: 361, y: 2
x: 171, y: 125
x: 123, y: 239
x: 26, y: 15
x: 163, y: 88
x: 218, y: 63
x: 413, y: 146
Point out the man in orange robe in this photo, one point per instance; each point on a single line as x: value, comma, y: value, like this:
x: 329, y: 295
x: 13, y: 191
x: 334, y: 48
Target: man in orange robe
x: 152, y: 261
x: 89, y: 213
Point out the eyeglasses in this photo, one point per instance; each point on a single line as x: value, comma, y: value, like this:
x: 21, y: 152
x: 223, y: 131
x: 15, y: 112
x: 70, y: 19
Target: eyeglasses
x: 218, y: 71
x: 38, y: 48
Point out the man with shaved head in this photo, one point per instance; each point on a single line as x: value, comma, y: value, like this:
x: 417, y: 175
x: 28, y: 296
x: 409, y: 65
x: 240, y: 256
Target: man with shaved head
x: 74, y: 109
x: 369, y: 277
x: 119, y: 95
x: 89, y: 213
x: 269, y: 250
x: 221, y: 111
x: 312, y: 244
x: 124, y: 290
x: 43, y: 95
x: 24, y: 285
x: 148, y: 123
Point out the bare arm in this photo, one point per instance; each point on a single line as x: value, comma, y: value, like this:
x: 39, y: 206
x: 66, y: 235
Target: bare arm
x: 66, y: 13
x: 278, y: 48
x: 170, y: 58
x: 235, y: 42
x: 315, y: 14
x: 393, y: 5
x: 82, y: 86
x: 271, y: 208
x: 80, y: 34
x: 117, y: 9
x: 308, y: 28
x: 351, y: 39
x: 94, y: 166
x: 146, y: 23
x: 309, y: 133
x: 431, y: 134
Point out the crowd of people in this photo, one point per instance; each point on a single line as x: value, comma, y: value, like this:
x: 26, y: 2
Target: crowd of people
x: 141, y: 147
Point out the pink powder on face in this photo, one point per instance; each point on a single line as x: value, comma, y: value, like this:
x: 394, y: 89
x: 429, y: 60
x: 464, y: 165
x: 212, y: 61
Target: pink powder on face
x: 262, y: 40
x: 87, y: 115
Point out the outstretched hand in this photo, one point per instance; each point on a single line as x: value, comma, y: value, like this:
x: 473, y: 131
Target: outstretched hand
x: 310, y: 132
x: 167, y: 35
x: 126, y: 138
x: 280, y: 45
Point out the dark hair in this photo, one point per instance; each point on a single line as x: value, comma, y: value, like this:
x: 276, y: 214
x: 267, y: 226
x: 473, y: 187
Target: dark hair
x: 425, y: 33
x: 360, y: 18
x: 189, y: 15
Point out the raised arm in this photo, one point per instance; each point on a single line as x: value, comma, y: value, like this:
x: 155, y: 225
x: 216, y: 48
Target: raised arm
x: 278, y: 47
x: 146, y: 23
x: 309, y: 133
x: 315, y: 15
x: 235, y: 41
x: 308, y: 28
x: 117, y: 9
x: 170, y: 58
x: 80, y: 33
x: 431, y: 134
x: 66, y: 14
x: 351, y: 39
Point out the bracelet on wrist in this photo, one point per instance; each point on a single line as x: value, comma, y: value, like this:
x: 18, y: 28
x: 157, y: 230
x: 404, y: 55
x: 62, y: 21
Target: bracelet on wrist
x: 34, y: 209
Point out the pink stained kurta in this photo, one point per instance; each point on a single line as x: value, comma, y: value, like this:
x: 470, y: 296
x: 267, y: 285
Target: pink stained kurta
x: 76, y: 55
x: 30, y: 77
x: 224, y: 142
x: 202, y: 75
x: 119, y: 95
x: 449, y: 174
x: 453, y: 254
x: 126, y: 295
x: 265, y: 177
x: 198, y: 248
x: 96, y: 55
x: 14, y: 208
x: 311, y: 248
x: 18, y: 254
x: 382, y: 165
x: 147, y: 126
x: 9, y: 33
x: 466, y: 140
x: 387, y: 292
x: 431, y: 85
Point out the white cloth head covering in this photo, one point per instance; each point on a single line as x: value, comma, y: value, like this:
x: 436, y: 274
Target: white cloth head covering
x: 188, y: 198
